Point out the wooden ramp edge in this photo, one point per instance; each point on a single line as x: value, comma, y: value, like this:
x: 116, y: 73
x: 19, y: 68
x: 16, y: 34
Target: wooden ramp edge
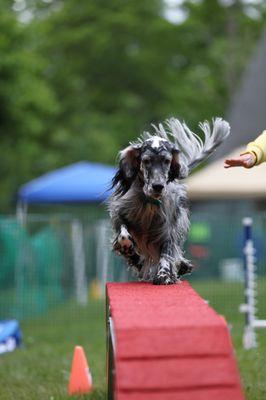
x: 166, y: 343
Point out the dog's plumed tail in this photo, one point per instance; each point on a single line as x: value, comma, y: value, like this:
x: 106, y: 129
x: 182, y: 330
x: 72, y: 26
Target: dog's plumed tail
x: 193, y: 149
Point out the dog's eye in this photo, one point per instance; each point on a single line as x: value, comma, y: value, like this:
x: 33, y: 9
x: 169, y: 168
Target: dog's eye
x: 166, y: 161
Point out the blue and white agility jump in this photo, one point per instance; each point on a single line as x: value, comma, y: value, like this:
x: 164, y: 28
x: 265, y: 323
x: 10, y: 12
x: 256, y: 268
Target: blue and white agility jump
x: 250, y: 273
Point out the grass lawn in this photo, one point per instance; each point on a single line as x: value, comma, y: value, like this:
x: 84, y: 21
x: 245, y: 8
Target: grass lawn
x: 40, y: 370
x: 225, y: 299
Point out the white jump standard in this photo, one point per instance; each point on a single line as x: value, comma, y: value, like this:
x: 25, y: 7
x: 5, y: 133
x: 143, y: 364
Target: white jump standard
x: 249, y: 308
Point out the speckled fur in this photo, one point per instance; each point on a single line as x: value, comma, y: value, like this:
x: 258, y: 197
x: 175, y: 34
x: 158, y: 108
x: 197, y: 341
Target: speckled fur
x: 155, y: 231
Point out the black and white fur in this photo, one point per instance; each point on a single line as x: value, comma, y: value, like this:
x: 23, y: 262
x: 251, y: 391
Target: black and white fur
x: 149, y: 207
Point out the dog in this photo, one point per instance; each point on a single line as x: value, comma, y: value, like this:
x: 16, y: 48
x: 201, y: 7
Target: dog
x: 149, y: 207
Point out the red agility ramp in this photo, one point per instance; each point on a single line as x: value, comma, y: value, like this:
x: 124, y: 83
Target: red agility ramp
x: 166, y: 343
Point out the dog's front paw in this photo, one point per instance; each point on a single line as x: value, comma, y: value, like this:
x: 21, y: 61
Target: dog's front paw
x: 124, y: 243
x: 165, y: 276
x: 163, y: 279
x: 185, y: 268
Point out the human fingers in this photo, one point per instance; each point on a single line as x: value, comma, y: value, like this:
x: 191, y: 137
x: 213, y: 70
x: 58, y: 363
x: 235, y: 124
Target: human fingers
x: 246, y: 160
x: 234, y: 162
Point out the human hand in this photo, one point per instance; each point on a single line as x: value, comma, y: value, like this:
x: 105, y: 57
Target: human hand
x: 247, y: 160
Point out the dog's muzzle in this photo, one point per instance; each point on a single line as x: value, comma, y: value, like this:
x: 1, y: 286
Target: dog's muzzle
x: 155, y: 190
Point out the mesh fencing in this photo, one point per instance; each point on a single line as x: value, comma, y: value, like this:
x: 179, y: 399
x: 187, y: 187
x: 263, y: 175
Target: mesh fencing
x: 51, y: 260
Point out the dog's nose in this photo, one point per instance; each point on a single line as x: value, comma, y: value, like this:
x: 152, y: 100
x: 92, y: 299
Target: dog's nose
x: 157, y: 187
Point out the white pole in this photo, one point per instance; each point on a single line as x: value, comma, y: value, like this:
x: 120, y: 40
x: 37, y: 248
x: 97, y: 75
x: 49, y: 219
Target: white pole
x: 249, y: 308
x: 79, y: 262
x: 249, y: 336
x: 21, y: 212
x: 103, y: 252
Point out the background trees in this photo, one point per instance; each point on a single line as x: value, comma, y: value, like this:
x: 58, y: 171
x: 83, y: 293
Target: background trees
x: 78, y: 80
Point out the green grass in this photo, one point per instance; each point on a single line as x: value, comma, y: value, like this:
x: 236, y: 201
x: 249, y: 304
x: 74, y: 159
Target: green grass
x: 40, y: 370
x: 225, y: 299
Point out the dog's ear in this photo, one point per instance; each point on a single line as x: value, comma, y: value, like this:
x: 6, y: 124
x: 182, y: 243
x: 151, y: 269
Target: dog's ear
x: 128, y: 168
x: 130, y: 160
x: 174, y: 172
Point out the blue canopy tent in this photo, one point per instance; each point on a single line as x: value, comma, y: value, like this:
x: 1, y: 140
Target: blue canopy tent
x: 82, y: 182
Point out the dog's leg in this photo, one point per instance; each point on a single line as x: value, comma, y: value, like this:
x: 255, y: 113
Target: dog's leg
x: 167, y: 273
x: 184, y: 267
x: 171, y: 268
x: 124, y: 245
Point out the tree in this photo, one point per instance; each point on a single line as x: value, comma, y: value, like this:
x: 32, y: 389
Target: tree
x: 118, y: 66
x: 81, y: 79
x: 26, y: 101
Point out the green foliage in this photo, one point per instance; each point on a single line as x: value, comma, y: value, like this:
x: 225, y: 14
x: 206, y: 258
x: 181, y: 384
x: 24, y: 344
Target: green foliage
x: 27, y: 104
x: 81, y: 79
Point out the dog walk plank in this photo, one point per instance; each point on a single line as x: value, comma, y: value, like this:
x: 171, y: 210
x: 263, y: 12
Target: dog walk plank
x: 168, y: 340
x: 175, y: 311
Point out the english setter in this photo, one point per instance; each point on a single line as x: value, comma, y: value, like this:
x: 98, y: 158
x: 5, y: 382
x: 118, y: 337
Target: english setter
x: 149, y: 207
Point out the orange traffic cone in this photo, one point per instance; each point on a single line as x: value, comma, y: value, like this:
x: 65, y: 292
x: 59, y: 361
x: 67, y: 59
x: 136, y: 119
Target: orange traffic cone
x: 80, y: 381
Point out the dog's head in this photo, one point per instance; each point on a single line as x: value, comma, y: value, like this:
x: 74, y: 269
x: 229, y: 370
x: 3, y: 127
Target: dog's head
x: 155, y: 162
